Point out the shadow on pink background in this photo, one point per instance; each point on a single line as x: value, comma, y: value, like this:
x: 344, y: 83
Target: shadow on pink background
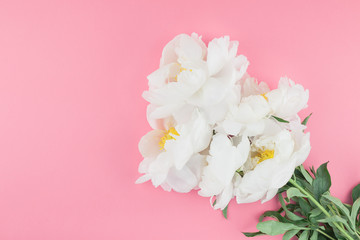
x: 71, y: 78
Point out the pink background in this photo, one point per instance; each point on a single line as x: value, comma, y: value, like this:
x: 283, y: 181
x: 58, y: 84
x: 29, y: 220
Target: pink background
x: 71, y: 112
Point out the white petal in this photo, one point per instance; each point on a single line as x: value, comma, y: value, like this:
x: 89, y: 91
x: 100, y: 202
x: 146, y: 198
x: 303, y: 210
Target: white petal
x: 269, y: 195
x: 250, y: 86
x: 218, y: 54
x: 159, y: 77
x: 288, y: 99
x: 241, y: 64
x: 302, y: 148
x: 144, y: 165
x: 149, y: 144
x: 223, y: 199
x: 184, y: 47
x: 197, y: 164
x: 223, y: 162
x: 230, y: 127
x: 183, y: 180
x: 248, y: 197
x: 159, y: 168
x: 143, y: 178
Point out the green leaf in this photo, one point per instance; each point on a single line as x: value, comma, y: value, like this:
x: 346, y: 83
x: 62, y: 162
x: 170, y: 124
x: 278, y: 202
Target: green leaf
x: 289, y: 234
x: 322, y: 237
x: 312, y: 170
x: 253, y: 234
x: 356, y: 192
x: 280, y: 119
x: 303, y: 183
x: 306, y: 174
x: 315, y: 212
x: 273, y: 228
x: 290, y: 215
x: 333, y: 219
x: 305, y: 206
x: 322, y: 181
x: 224, y: 211
x: 337, y: 219
x: 314, y: 236
x: 304, y: 235
x: 304, y: 122
x: 274, y: 214
x: 283, y: 189
x: 294, y: 192
x: 338, y: 204
x: 355, y: 211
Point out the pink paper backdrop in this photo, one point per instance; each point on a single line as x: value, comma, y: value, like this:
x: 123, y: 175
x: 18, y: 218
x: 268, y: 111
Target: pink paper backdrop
x: 71, y: 112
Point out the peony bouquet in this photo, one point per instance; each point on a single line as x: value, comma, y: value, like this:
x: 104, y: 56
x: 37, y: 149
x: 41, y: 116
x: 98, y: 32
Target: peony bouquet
x: 219, y: 131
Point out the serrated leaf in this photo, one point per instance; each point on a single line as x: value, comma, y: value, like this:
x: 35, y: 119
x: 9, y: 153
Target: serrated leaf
x: 224, y: 211
x: 294, y: 192
x: 273, y: 228
x: 356, y: 192
x: 304, y: 122
x: 253, y: 234
x: 322, y: 182
x: 280, y: 119
x: 289, y: 234
x: 304, y: 235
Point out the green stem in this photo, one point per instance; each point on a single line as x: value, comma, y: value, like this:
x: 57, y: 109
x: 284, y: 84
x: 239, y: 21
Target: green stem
x: 325, y: 234
x: 335, y: 213
x: 311, y: 198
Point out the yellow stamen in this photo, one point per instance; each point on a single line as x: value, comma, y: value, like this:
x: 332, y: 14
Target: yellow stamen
x: 168, y: 135
x: 264, y: 95
x: 181, y: 69
x: 264, y: 155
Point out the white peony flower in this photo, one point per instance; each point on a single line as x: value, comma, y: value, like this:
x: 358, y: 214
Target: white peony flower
x: 271, y: 163
x: 288, y: 99
x: 184, y: 48
x: 191, y: 76
x: 246, y: 118
x: 250, y: 86
x: 219, y: 174
x: 224, y: 69
x: 171, y: 155
x: 182, y: 73
x: 201, y: 89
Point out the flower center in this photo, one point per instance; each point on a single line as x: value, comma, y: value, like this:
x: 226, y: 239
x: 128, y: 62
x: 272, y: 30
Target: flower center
x: 168, y: 135
x: 264, y: 95
x: 180, y: 70
x: 264, y: 155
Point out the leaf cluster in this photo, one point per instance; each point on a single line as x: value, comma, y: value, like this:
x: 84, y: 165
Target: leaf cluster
x: 308, y: 211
